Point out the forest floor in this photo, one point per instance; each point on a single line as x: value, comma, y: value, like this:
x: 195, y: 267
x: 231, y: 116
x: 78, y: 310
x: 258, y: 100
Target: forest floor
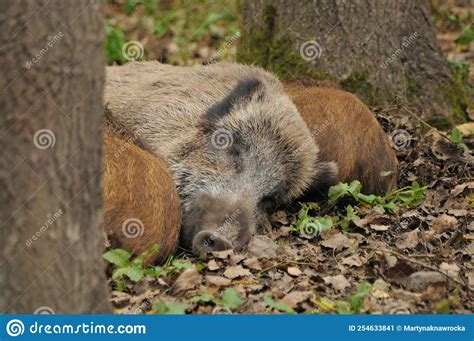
x: 416, y: 259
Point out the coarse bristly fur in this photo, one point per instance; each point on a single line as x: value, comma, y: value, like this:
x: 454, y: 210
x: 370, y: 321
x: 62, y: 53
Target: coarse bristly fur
x: 229, y: 134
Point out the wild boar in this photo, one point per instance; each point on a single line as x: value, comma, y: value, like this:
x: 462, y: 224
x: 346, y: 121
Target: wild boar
x: 141, y: 204
x: 347, y: 133
x: 235, y: 143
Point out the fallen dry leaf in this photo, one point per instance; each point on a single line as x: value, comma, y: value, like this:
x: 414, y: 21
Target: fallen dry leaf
x: 337, y: 241
x: 236, y: 271
x: 187, y: 280
x: 212, y: 265
x: 338, y: 282
x: 262, y: 246
x: 294, y: 271
x: 444, y: 223
x: 451, y: 269
x: 380, y: 228
x: 354, y: 260
x: 296, y: 297
x: 408, y: 240
x: 222, y: 254
x: 253, y: 263
x: 218, y: 281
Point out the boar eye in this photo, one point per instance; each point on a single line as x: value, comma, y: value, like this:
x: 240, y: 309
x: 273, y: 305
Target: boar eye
x: 269, y: 205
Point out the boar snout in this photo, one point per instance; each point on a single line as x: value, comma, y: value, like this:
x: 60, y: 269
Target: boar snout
x: 207, y: 241
x: 216, y: 223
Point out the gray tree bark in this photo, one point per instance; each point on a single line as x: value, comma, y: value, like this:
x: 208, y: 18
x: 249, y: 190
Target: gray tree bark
x: 384, y: 51
x: 51, y: 109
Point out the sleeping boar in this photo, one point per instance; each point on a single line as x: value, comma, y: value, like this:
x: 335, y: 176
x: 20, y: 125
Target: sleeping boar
x: 347, y: 133
x: 141, y: 205
x: 233, y: 140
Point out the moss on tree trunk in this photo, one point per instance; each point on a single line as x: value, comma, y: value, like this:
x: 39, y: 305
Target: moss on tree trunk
x: 384, y: 51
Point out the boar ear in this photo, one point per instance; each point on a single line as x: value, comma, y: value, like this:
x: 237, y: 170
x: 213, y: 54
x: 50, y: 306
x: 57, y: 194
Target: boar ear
x: 244, y: 91
x: 326, y: 176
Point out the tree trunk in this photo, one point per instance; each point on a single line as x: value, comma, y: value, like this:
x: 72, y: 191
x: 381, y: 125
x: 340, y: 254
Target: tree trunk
x: 51, y: 109
x: 384, y: 51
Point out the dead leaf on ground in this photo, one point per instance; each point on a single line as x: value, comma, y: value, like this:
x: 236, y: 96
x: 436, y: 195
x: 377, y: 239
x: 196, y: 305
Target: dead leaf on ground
x: 222, y: 254
x: 337, y: 241
x: 354, y: 260
x: 233, y: 272
x: 218, y: 281
x: 408, y: 240
x: 296, y: 297
x: 294, y: 271
x: 212, y: 265
x: 451, y: 269
x: 253, y: 263
x: 379, y: 228
x: 338, y: 282
x: 444, y: 223
x: 262, y: 246
x: 187, y: 280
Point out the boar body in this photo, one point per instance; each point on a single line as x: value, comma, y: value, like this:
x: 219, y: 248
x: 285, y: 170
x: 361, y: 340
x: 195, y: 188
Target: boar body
x: 348, y: 134
x: 234, y: 142
x: 141, y: 204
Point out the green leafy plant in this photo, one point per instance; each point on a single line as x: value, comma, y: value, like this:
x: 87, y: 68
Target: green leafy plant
x: 114, y: 40
x: 173, y: 308
x: 351, y: 216
x: 311, y: 225
x: 406, y: 196
x: 456, y: 138
x: 280, y: 306
x: 355, y: 302
x: 204, y: 298
x: 466, y: 36
x: 230, y: 299
x: 133, y: 269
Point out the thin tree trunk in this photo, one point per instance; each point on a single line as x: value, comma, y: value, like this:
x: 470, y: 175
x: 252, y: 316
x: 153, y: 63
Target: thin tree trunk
x: 384, y: 51
x: 52, y: 71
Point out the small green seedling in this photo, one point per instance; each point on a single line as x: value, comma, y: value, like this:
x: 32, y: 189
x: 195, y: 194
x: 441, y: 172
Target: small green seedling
x: 311, y: 226
x: 230, y: 299
x: 133, y: 269
x: 169, y: 308
x: 456, y: 138
x: 204, y: 298
x: 355, y: 302
x: 280, y: 306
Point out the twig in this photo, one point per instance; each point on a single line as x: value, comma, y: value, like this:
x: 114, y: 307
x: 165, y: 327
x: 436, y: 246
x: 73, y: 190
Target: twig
x: 426, y: 123
x: 408, y: 259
